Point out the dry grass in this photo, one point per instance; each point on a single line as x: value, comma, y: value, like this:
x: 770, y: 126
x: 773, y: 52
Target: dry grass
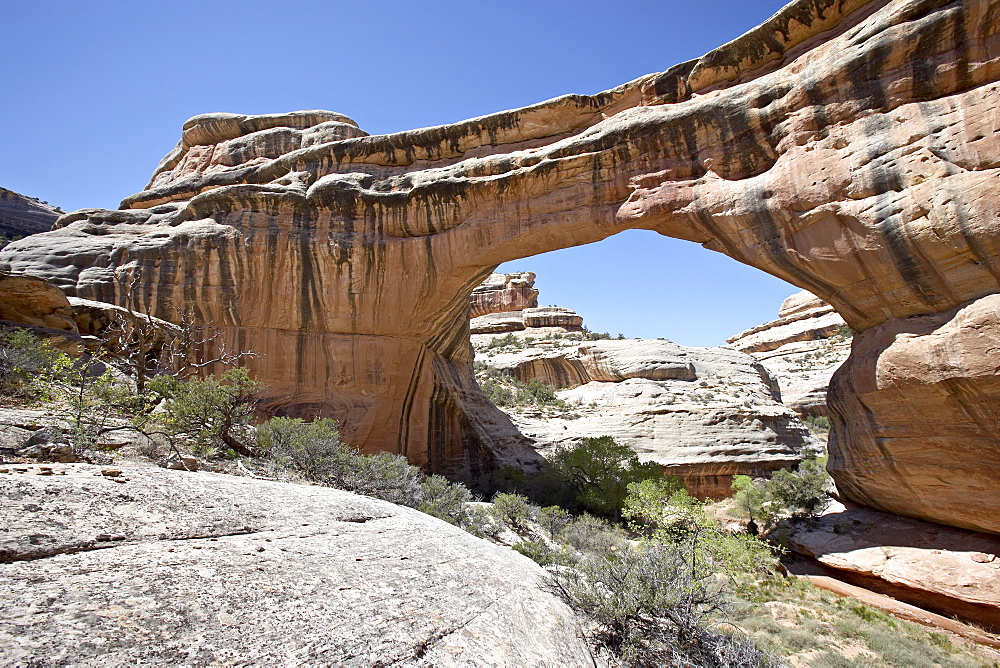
x: 812, y: 627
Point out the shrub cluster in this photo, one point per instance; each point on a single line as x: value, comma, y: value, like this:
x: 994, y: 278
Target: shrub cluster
x: 799, y: 493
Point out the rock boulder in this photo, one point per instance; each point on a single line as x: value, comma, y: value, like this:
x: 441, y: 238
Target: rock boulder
x: 203, y: 568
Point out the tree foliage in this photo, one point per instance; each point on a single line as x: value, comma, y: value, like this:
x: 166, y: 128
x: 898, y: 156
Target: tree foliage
x: 598, y: 472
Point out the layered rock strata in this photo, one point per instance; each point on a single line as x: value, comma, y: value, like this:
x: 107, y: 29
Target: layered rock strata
x: 802, y: 349
x: 21, y: 215
x: 705, y: 414
x: 179, y: 565
x: 850, y: 148
x: 501, y: 293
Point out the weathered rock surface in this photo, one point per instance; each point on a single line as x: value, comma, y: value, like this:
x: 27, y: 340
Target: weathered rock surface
x: 502, y: 293
x: 850, y: 148
x: 801, y: 349
x: 35, y: 301
x: 179, y: 566
x: 497, y: 323
x: 21, y: 215
x: 945, y: 365
x: 705, y: 414
x: 936, y: 567
x: 552, y: 316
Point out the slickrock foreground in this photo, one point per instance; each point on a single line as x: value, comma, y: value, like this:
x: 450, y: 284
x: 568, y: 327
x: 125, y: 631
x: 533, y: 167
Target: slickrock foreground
x: 204, y: 568
x: 850, y: 148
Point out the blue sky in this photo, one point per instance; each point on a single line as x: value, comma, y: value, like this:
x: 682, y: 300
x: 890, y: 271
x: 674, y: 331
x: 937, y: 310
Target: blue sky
x: 95, y: 93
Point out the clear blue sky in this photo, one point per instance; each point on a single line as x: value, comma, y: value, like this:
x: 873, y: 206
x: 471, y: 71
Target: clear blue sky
x: 95, y: 93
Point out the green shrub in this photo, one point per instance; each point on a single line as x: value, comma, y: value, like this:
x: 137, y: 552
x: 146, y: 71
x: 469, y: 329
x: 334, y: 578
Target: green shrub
x: 593, y: 535
x: 28, y: 364
x: 444, y: 499
x: 650, y: 606
x: 513, y: 510
x: 214, y: 413
x: 802, y: 492
x: 480, y: 522
x: 311, y: 448
x: 383, y: 475
x: 553, y: 519
x: 541, y: 552
x: 818, y: 424
x: 598, y: 471
x: 501, y: 341
x: 540, y: 393
x: 498, y: 393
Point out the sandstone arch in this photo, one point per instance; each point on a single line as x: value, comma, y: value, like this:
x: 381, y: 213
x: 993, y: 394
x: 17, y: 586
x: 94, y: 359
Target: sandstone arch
x: 846, y: 146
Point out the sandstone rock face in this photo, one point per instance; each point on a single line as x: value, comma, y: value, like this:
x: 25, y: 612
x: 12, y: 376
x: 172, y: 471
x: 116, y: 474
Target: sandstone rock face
x: 938, y: 568
x: 503, y: 293
x: 21, y: 215
x: 180, y: 565
x: 850, y: 148
x: 801, y: 349
x: 497, y: 323
x: 552, y: 316
x: 34, y: 301
x: 901, y: 373
x: 705, y: 414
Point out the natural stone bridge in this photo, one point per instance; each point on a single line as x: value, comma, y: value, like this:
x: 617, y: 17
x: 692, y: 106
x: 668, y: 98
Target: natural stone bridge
x: 847, y: 147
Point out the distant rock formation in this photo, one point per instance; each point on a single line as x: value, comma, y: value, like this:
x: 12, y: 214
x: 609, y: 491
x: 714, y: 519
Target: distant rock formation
x: 21, y: 215
x: 704, y: 414
x: 849, y: 147
x: 801, y: 349
x: 503, y: 292
x: 509, y: 303
x: 180, y: 565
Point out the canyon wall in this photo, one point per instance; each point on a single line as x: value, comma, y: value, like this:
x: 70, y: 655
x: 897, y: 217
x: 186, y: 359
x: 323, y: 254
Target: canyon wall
x: 846, y: 146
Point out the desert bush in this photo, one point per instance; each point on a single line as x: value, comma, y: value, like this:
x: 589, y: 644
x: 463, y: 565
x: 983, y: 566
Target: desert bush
x: 594, y: 535
x: 311, y: 448
x: 497, y: 392
x: 666, y: 514
x: 650, y: 606
x: 501, y: 341
x: 28, y: 364
x: 803, y: 492
x: 542, y: 553
x: 540, y: 393
x: 818, y: 424
x: 213, y: 413
x: 480, y: 522
x: 553, y: 519
x: 513, y: 510
x: 445, y: 500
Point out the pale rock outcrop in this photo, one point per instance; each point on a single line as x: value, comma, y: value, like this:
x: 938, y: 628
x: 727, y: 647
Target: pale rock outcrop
x: 704, y: 414
x: 938, y: 568
x: 501, y: 293
x: 802, y: 349
x: 848, y: 147
x: 179, y: 566
x: 21, y: 215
